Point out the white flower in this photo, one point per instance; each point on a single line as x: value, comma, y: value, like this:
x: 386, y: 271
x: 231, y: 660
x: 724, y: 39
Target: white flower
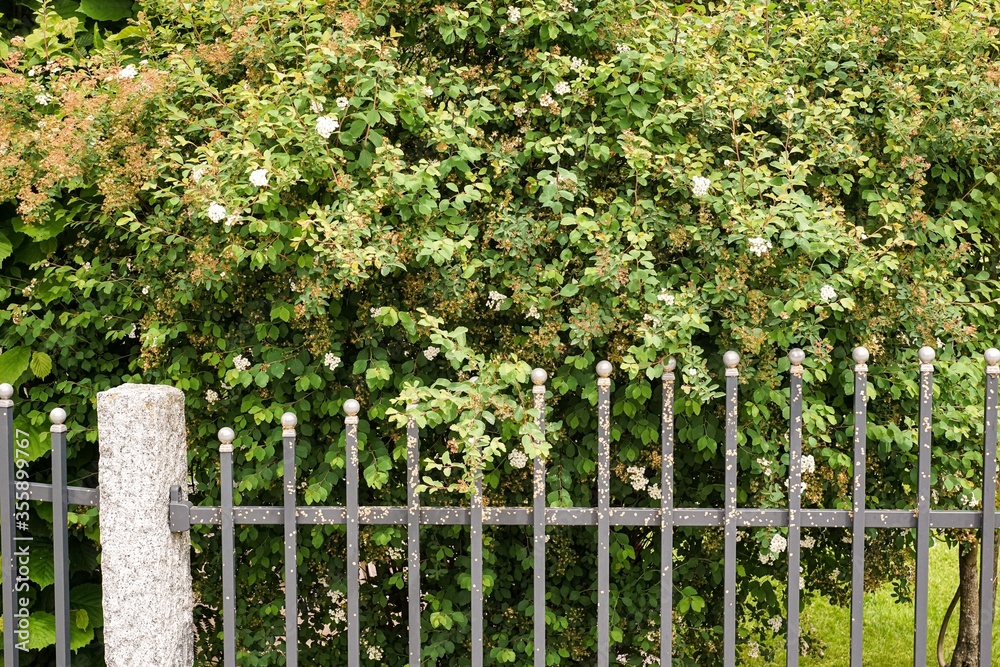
x: 43, y: 98
x: 666, y: 297
x: 533, y: 312
x: 561, y: 88
x: 775, y: 623
x: 211, y: 396
x: 637, y: 478
x: 808, y: 542
x: 808, y: 463
x: 655, y: 492
x: 622, y: 658
x: 216, y: 212
x: 939, y: 343
x: 431, y: 352
x: 134, y: 333
x: 316, y: 107
x: 790, y: 95
x: 517, y: 458
x: 753, y: 650
x: 343, y: 103
x: 128, y: 72
x: 622, y: 48
x: 513, y: 14
x: 326, y: 125
x: 520, y: 111
x: 331, y: 361
x: 495, y: 300
x: 231, y: 220
x: 827, y: 293
x: 258, y: 177
x: 760, y: 246
x: 198, y: 172
x: 699, y: 186
x: 692, y: 371
x: 374, y: 653
x: 145, y: 289
x: 778, y: 543
x: 546, y: 100
x: 428, y: 91
x: 577, y: 63
x: 240, y: 362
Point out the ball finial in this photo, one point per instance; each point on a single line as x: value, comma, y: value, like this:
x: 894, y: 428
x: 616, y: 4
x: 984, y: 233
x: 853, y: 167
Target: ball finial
x: 6, y: 391
x: 670, y: 364
x: 992, y: 356
x: 604, y: 369
x: 226, y: 435
x: 796, y: 356
x: 58, y: 416
x: 730, y: 359
x: 926, y: 354
x: 539, y: 376
x: 860, y: 354
x: 289, y: 420
x: 351, y: 407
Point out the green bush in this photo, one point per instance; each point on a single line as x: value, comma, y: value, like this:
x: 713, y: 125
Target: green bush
x: 278, y: 206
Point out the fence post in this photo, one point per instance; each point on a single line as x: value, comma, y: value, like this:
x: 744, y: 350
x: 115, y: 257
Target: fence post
x: 146, y: 569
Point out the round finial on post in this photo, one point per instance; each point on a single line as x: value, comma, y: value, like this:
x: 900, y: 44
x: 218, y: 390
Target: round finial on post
x: 604, y: 369
x: 226, y: 436
x: 730, y: 359
x: 992, y: 356
x: 860, y: 355
x: 58, y: 416
x: 796, y: 356
x: 539, y: 376
x: 6, y: 391
x: 352, y: 407
x: 669, y: 365
x: 289, y: 421
x: 926, y: 354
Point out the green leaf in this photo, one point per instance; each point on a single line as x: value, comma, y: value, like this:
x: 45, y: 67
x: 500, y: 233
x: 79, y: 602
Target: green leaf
x: 87, y: 597
x: 106, y: 10
x: 41, y: 364
x: 6, y: 248
x: 13, y: 363
x: 42, y: 568
x: 41, y: 630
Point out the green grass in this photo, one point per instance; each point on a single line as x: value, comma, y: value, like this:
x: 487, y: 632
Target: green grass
x: 888, y: 626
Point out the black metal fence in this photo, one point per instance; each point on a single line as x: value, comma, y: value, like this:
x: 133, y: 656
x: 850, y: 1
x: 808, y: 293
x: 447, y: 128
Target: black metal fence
x: 182, y: 515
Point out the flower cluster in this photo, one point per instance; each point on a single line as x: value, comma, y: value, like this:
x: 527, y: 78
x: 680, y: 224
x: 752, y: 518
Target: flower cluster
x: 513, y: 14
x: 431, y: 352
x: 759, y: 246
x: 827, y: 293
x: 326, y: 126
x: 700, y: 185
x: 637, y: 477
x: 211, y: 396
x: 561, y: 88
x: 343, y: 103
x: 241, y: 363
x: 666, y: 298
x: 128, y: 72
x: 258, y: 177
x: 216, y: 212
x: 518, y: 458
x: 808, y: 463
x: 778, y: 543
x: 495, y: 299
x: 331, y: 361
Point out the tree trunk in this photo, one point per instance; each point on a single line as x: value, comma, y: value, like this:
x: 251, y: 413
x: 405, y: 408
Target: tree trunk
x: 966, y: 652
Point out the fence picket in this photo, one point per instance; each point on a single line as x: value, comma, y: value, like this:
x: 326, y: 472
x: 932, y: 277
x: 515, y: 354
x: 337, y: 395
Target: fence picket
x: 226, y: 437
x: 288, y: 423
x: 860, y: 356
x: 796, y: 356
x: 987, y: 569
x: 352, y: 408
x: 667, y: 515
x: 60, y: 536
x: 413, y: 536
x: 538, y: 378
x: 923, y: 543
x: 604, y: 369
x: 8, y: 534
x: 476, y: 515
x: 730, y: 359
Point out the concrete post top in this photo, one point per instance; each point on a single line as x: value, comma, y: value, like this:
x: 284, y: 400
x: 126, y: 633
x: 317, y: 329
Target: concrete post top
x: 143, y: 391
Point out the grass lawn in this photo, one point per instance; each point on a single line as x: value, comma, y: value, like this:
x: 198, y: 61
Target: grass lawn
x: 888, y: 626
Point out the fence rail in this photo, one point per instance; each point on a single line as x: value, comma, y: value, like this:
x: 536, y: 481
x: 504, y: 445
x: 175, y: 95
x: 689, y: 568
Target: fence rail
x: 182, y: 515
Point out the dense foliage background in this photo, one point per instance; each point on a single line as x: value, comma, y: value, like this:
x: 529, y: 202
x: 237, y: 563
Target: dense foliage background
x: 280, y: 205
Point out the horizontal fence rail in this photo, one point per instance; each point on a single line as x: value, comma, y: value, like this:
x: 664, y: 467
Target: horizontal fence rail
x: 182, y: 515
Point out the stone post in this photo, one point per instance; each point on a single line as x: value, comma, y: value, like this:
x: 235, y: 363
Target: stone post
x: 145, y: 568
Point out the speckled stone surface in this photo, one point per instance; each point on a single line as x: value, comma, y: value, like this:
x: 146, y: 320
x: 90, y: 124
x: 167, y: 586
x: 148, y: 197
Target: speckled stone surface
x: 146, y: 569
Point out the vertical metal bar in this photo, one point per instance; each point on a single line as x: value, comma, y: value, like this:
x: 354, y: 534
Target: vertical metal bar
x: 667, y: 514
x: 730, y: 359
x: 538, y: 378
x: 923, y: 544
x: 8, y: 529
x: 352, y: 407
x: 796, y: 356
x: 60, y: 535
x: 413, y: 535
x: 604, y: 369
x: 288, y: 423
x: 860, y: 355
x: 476, y: 515
x: 226, y: 437
x: 987, y: 571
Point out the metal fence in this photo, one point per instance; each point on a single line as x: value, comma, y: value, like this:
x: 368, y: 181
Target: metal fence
x: 731, y: 517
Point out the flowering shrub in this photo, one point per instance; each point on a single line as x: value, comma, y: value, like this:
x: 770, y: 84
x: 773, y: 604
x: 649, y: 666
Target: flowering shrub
x: 283, y: 205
